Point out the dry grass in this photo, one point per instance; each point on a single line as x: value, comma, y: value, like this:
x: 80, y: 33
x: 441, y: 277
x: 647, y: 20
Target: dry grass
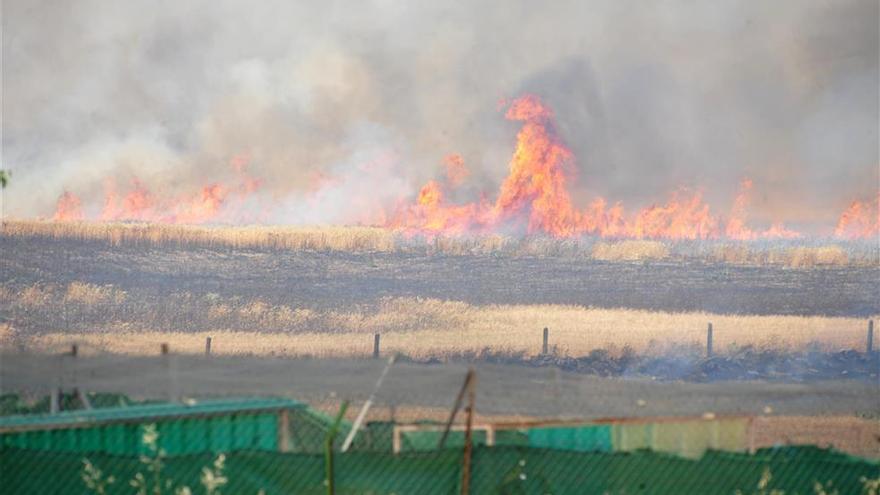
x: 792, y: 257
x: 804, y: 257
x: 630, y: 251
x: 141, y: 234
x: 738, y: 254
x: 90, y: 294
x: 426, y: 327
x: 375, y: 239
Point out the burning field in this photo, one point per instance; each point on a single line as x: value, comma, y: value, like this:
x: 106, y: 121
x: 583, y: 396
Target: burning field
x: 587, y: 246
x: 533, y: 199
x: 440, y: 276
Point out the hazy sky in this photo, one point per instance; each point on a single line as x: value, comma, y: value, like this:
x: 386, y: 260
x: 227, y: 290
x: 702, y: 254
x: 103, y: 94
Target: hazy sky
x: 649, y: 95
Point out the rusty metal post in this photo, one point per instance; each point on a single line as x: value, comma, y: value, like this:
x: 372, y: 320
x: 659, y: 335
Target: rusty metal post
x: 455, y: 408
x: 468, y: 437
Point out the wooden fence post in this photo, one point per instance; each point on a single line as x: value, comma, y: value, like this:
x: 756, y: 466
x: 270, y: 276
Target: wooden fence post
x: 163, y: 348
x: 869, y: 346
x: 709, y: 341
x: 376, y: 338
x: 545, y: 346
x: 207, y: 346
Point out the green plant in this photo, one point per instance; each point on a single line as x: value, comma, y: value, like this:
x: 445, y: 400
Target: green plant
x: 94, y: 478
x: 212, y: 478
x: 763, y: 485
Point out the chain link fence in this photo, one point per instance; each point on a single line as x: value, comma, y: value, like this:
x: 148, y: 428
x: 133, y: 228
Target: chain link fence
x: 90, y: 422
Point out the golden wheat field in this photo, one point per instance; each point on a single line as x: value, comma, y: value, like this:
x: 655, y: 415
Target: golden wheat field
x: 424, y: 328
x: 376, y: 239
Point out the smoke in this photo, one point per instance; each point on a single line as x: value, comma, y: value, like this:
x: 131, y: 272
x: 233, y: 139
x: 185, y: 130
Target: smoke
x: 344, y: 109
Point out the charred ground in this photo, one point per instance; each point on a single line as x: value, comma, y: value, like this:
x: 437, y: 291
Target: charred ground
x: 313, y: 279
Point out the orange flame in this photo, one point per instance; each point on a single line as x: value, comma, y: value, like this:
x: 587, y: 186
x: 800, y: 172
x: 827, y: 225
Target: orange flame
x: 535, y: 195
x: 456, y: 172
x: 68, y: 208
x: 860, y: 221
x: 211, y: 203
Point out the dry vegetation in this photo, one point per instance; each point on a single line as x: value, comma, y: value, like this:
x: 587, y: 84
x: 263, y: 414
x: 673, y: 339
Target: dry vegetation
x: 415, y: 326
x: 630, y: 251
x: 374, y: 239
x: 144, y: 234
x: 793, y: 257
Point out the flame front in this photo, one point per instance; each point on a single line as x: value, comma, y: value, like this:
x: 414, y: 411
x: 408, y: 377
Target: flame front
x: 535, y: 196
x: 69, y: 208
x: 860, y: 221
x: 214, y: 202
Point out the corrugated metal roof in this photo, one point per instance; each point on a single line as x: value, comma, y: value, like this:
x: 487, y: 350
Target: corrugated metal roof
x: 145, y: 412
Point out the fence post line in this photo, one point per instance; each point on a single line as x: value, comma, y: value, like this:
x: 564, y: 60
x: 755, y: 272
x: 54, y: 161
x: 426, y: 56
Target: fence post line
x: 709, y: 340
x: 869, y: 345
x: 376, y: 338
x: 545, y: 346
x: 207, y: 346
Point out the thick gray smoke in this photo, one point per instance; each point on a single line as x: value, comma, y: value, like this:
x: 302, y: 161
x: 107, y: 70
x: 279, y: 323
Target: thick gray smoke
x: 649, y: 95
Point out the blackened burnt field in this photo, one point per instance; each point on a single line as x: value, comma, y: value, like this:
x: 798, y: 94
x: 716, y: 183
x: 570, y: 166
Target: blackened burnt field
x: 325, y: 279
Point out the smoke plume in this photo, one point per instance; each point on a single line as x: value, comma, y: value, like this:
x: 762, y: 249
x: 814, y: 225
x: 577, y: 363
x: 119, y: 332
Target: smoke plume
x: 339, y: 112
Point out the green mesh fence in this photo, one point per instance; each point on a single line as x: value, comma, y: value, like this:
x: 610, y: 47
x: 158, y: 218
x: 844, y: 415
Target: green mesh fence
x: 503, y: 470
x: 277, y: 446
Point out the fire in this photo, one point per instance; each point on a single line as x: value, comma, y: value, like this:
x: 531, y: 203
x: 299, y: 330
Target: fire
x: 203, y: 207
x: 685, y: 216
x: 456, y: 172
x: 69, y: 208
x: 534, y: 197
x: 736, y: 225
x: 860, y: 221
x: 737, y: 228
x: 538, y: 170
x: 214, y: 202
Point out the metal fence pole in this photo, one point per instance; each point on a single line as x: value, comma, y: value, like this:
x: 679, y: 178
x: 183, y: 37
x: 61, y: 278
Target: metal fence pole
x: 468, y: 436
x: 709, y: 341
x: 328, y: 449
